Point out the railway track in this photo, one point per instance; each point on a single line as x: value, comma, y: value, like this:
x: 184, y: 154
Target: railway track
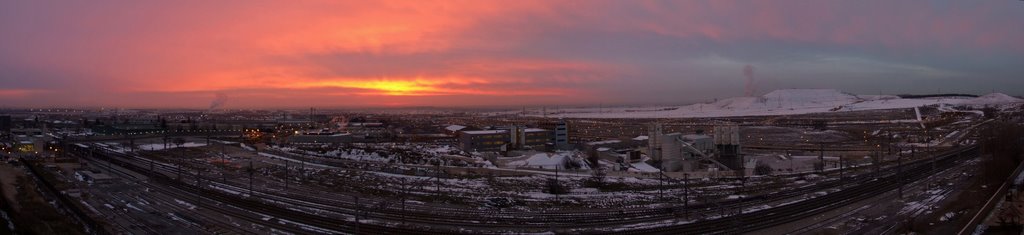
x: 279, y: 214
x: 226, y: 228
x: 866, y: 188
x: 470, y: 218
x: 576, y: 219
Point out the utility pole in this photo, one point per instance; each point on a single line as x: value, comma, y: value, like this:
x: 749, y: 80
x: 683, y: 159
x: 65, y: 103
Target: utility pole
x: 889, y: 145
x: 179, y: 169
x: 841, y: 169
x: 661, y: 182
x: 899, y: 173
x: 223, y: 160
x: 878, y: 162
x: 181, y: 160
x: 743, y: 189
x: 790, y: 156
x: 403, y: 200
x: 285, y: 174
x: 557, y: 184
x: 934, y: 158
x: 64, y: 146
x: 913, y: 151
x: 437, y: 175
x: 358, y: 210
x: 686, y: 196
x: 821, y: 157
x: 199, y: 187
x: 251, y: 170
x: 224, y: 175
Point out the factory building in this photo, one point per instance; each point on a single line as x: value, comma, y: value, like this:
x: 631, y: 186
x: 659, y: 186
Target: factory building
x: 29, y: 140
x: 727, y: 145
x: 671, y: 155
x: 95, y: 177
x: 666, y: 149
x: 369, y: 131
x: 613, y: 151
x: 484, y: 141
x: 536, y: 137
x: 561, y: 138
x: 654, y: 138
x: 703, y: 143
x: 529, y: 138
x: 678, y: 152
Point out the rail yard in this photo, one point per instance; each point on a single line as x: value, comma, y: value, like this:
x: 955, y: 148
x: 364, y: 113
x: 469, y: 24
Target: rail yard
x: 193, y: 178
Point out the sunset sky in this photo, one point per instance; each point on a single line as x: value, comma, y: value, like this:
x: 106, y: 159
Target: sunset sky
x: 184, y: 54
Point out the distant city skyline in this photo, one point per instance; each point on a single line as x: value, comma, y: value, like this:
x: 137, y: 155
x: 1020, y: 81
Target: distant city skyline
x: 280, y: 54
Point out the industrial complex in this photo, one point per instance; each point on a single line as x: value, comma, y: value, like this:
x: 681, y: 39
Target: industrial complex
x: 867, y: 171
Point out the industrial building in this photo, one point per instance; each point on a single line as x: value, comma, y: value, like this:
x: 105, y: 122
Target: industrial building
x: 727, y: 145
x: 484, y: 141
x: 678, y: 152
x: 561, y: 138
x: 95, y: 177
x: 529, y: 138
x: 700, y: 143
x: 369, y: 131
x: 29, y: 140
x: 613, y: 151
x: 654, y: 137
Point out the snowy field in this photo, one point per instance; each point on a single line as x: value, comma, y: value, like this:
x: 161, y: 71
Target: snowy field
x: 783, y: 102
x: 157, y: 147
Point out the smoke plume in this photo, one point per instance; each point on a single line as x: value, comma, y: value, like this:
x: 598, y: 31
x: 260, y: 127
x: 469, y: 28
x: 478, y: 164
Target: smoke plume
x: 219, y: 100
x: 748, y: 71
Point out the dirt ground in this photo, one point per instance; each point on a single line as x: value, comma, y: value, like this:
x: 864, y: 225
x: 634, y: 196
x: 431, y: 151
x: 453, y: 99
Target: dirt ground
x: 8, y: 178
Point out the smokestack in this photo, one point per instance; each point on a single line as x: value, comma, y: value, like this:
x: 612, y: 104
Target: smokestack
x: 750, y: 89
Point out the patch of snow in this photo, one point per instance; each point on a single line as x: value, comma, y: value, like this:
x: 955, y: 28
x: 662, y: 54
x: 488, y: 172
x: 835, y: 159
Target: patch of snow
x: 157, y: 147
x: 542, y: 161
x: 454, y: 128
x: 644, y: 167
x: 186, y: 204
x: 784, y: 102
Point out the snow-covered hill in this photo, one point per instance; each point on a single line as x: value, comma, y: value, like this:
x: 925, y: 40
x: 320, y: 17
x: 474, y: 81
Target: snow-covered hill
x: 788, y: 102
x: 808, y: 98
x: 994, y: 98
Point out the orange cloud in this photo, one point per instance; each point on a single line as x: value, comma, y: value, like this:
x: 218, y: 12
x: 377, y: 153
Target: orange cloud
x: 395, y: 87
x: 451, y: 51
x: 235, y: 49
